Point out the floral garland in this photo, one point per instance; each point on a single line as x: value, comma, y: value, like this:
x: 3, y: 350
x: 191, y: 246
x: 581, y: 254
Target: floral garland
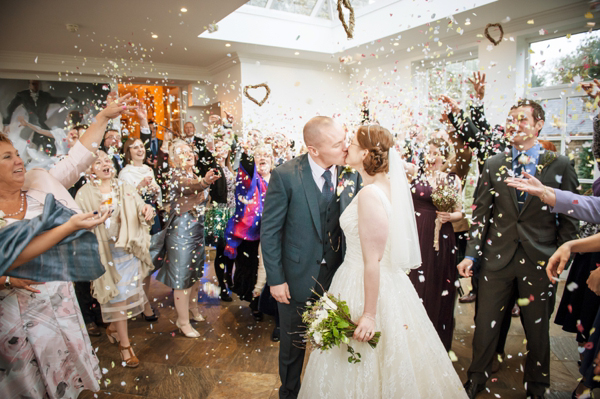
x: 349, y: 29
x: 259, y: 103
x: 490, y: 38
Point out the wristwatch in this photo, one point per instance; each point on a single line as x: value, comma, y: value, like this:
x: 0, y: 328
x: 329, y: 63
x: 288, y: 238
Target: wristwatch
x: 7, y: 282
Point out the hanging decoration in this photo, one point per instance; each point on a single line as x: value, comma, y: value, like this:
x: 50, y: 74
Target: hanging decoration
x: 490, y: 38
x: 349, y: 28
x: 259, y: 103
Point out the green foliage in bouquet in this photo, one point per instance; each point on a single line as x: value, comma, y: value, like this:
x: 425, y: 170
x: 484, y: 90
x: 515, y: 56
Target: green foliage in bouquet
x: 329, y: 324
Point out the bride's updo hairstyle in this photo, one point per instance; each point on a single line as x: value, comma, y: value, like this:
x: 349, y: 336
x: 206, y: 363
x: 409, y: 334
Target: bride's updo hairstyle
x: 377, y: 141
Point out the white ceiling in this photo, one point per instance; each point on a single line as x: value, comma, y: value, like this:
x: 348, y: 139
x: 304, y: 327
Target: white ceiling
x: 121, y: 30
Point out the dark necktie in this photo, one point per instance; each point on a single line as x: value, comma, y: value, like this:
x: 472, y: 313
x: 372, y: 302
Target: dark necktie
x: 327, y: 187
x: 154, y: 146
x: 518, y: 172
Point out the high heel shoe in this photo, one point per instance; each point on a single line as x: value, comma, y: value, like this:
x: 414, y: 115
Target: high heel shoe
x: 133, y: 361
x: 191, y: 334
x: 112, y: 335
x: 154, y: 316
x: 197, y: 317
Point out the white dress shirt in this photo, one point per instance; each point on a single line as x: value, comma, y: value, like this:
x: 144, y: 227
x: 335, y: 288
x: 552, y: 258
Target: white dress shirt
x: 317, y: 173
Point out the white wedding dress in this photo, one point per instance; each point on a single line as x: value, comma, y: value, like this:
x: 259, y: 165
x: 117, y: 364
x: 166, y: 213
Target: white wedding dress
x: 409, y: 361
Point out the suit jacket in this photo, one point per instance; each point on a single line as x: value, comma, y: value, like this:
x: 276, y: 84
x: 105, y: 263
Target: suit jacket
x: 498, y: 225
x: 292, y: 246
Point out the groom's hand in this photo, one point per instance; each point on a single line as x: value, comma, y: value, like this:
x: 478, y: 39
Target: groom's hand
x: 464, y: 268
x: 281, y: 293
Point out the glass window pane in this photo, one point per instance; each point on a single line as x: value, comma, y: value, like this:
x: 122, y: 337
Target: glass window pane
x: 554, y: 117
x: 324, y: 11
x: 303, y: 7
x: 579, y: 118
x: 560, y: 60
x: 258, y: 3
x: 580, y: 151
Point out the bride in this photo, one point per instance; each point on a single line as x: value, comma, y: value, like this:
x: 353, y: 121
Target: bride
x: 382, y: 245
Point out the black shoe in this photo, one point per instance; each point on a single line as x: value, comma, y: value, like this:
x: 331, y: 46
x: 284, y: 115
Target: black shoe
x: 93, y: 329
x: 498, y: 360
x: 470, y: 297
x: 154, y: 317
x: 275, y: 336
x: 473, y: 389
x: 258, y: 316
x: 225, y: 296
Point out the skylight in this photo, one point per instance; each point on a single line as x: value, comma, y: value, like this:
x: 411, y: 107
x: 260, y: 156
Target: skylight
x: 314, y: 25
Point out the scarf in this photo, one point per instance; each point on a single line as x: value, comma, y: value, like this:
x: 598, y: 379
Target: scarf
x: 75, y: 258
x: 249, y: 201
x: 134, y: 235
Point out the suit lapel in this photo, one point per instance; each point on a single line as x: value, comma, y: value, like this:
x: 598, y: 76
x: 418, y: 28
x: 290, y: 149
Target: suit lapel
x: 508, y: 164
x: 312, y: 193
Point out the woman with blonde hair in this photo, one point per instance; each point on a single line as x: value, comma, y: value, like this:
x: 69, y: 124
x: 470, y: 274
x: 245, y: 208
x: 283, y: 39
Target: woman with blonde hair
x: 181, y: 259
x: 124, y: 243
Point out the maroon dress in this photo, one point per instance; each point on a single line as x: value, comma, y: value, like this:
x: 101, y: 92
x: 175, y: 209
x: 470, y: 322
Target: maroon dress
x: 434, y: 280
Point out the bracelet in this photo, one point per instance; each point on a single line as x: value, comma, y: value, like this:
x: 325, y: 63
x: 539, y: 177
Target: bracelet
x: 368, y: 316
x: 543, y: 197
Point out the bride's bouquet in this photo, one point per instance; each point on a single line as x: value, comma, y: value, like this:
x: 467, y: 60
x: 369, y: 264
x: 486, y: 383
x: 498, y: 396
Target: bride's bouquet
x: 329, y: 324
x: 445, y: 197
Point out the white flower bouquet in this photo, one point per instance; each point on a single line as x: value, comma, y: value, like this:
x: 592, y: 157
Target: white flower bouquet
x: 329, y: 324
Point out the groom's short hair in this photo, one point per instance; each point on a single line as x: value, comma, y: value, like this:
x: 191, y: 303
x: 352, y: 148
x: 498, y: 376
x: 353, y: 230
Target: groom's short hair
x: 313, y: 128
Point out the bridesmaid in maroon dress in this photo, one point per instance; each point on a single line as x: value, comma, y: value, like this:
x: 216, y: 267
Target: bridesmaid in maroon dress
x: 435, y: 280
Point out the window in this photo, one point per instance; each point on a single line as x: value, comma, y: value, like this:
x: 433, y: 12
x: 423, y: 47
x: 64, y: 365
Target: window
x: 565, y: 59
x: 555, y: 65
x: 433, y: 79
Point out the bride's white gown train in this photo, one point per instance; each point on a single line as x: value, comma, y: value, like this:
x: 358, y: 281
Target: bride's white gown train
x: 409, y: 361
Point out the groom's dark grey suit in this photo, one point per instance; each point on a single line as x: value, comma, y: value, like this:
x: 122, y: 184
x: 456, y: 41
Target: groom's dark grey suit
x: 301, y: 241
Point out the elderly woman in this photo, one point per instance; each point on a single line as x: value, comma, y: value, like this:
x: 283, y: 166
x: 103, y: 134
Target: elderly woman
x: 46, y: 353
x: 243, y: 230
x: 124, y: 242
x: 182, y: 258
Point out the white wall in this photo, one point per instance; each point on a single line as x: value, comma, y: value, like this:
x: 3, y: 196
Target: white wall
x: 298, y: 92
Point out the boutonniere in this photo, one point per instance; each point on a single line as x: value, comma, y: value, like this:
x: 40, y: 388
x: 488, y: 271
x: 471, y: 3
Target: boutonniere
x: 2, y: 221
x: 546, y: 158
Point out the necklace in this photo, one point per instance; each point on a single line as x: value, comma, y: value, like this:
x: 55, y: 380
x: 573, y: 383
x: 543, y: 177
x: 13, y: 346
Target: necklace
x: 7, y: 215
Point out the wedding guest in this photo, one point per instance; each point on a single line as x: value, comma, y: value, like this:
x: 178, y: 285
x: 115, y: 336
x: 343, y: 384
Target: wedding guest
x: 222, y: 195
x: 141, y: 176
x: 124, y: 249
x: 53, y: 356
x: 242, y: 235
x: 152, y: 144
x: 204, y: 158
x: 182, y: 259
x: 112, y: 145
x: 522, y: 236
x: 435, y: 280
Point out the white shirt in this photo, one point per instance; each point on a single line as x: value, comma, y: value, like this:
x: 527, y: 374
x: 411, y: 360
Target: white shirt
x: 317, y: 173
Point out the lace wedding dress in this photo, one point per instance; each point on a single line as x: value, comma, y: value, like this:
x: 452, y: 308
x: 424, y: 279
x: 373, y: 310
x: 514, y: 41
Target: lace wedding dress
x: 409, y: 361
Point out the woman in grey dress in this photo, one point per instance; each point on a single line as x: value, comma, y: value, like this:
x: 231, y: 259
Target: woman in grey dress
x: 183, y: 260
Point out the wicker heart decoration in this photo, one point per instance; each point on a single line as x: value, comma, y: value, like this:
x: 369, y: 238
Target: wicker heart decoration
x: 261, y: 102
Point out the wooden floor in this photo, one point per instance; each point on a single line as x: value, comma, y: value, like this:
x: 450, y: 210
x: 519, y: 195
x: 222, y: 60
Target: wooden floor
x: 235, y: 358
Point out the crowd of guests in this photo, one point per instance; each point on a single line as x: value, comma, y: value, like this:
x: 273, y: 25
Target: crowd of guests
x: 154, y: 205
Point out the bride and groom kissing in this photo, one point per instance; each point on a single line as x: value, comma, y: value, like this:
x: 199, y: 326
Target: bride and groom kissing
x: 354, y: 232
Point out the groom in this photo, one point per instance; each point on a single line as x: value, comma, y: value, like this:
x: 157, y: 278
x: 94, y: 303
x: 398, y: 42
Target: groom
x: 301, y: 237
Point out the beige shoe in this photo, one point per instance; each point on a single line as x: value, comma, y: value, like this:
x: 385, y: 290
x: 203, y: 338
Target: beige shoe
x: 191, y: 334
